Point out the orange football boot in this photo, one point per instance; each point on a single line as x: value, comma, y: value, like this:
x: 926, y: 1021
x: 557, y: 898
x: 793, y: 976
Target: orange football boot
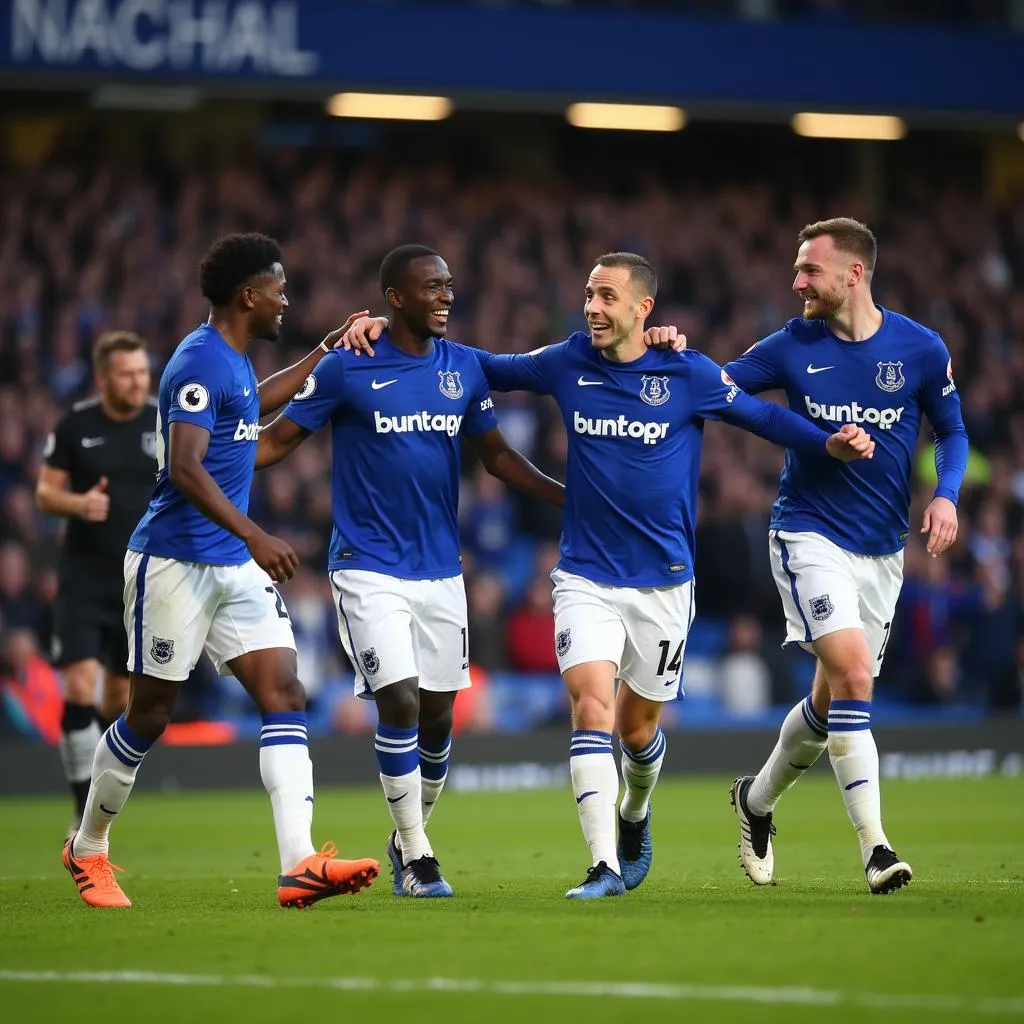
x: 321, y: 875
x: 94, y: 877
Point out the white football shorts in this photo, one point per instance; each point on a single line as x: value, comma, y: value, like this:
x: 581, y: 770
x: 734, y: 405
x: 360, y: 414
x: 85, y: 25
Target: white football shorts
x: 395, y: 629
x: 825, y: 588
x: 641, y: 630
x: 173, y: 610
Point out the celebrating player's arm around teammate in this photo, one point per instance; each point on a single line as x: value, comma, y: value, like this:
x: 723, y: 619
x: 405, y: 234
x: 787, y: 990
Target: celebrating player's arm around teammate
x: 99, y: 466
x: 624, y: 584
x: 200, y: 574
x: 837, y: 536
x: 396, y: 423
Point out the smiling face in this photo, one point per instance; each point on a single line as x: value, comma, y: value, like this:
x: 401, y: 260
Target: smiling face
x: 264, y: 296
x: 425, y: 297
x: 824, y: 277
x: 614, y: 307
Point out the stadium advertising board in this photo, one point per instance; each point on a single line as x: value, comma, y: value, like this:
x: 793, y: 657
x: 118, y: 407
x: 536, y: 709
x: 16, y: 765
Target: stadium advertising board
x: 541, y: 54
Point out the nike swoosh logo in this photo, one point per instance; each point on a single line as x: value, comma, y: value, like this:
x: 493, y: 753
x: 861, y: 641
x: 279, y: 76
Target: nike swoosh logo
x: 588, y: 383
x: 811, y: 368
x: 583, y: 796
x: 93, y: 442
x: 309, y: 798
x: 106, y: 811
x: 854, y: 785
x: 382, y: 384
x: 247, y: 392
x: 397, y: 798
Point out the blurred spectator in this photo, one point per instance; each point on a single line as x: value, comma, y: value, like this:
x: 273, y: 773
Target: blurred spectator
x: 30, y: 690
x: 531, y: 630
x: 485, y: 597
x: 746, y: 685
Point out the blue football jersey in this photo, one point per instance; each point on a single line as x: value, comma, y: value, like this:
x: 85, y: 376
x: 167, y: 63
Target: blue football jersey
x: 208, y: 383
x: 883, y: 384
x: 635, y: 433
x: 395, y: 422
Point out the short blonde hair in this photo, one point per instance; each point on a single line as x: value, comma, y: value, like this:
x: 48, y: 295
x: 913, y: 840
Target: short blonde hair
x: 114, y: 341
x: 849, y: 236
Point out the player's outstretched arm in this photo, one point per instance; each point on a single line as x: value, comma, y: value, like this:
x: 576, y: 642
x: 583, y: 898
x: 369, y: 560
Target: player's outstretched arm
x: 786, y: 429
x: 278, y: 440
x: 188, y: 443
x: 279, y: 388
x: 512, y: 468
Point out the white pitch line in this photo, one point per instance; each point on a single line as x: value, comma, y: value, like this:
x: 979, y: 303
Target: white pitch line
x: 782, y: 995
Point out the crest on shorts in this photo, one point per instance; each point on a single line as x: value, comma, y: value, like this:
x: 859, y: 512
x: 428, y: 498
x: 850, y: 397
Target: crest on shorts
x: 821, y: 608
x: 890, y: 376
x: 451, y: 383
x: 654, y: 390
x: 161, y: 650
x: 149, y: 443
x: 563, y: 642
x: 369, y: 660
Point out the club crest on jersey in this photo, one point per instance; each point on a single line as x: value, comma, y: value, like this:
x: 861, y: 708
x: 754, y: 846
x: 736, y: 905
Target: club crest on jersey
x: 654, y: 390
x: 451, y: 383
x: 149, y: 443
x: 890, y: 377
x: 307, y: 389
x: 563, y: 642
x: 161, y: 650
x: 369, y: 660
x: 821, y: 608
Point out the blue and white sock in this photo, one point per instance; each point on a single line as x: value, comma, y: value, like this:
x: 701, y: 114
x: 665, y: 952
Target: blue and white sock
x: 114, y: 766
x: 287, y: 774
x: 854, y: 757
x: 802, y: 740
x: 640, y: 771
x: 399, y: 759
x: 433, y: 772
x: 595, y: 784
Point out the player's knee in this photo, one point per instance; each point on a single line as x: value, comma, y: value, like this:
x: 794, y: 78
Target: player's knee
x: 854, y: 682
x: 149, y: 724
x: 398, y: 704
x: 284, y: 694
x: 81, y: 680
x: 436, y: 723
x: 636, y: 735
x: 593, y: 711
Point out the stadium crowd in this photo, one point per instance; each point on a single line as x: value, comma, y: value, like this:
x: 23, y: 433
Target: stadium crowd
x: 90, y: 245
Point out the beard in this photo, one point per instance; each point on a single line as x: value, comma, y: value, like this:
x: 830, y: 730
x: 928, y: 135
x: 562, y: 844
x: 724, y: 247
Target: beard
x: 127, y: 403
x: 823, y: 304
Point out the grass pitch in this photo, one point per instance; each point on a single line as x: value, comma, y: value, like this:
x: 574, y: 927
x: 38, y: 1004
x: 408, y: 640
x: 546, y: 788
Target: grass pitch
x: 206, y: 940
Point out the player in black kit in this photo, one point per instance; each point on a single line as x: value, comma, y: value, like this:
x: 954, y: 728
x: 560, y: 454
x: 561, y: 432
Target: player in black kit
x: 99, y: 472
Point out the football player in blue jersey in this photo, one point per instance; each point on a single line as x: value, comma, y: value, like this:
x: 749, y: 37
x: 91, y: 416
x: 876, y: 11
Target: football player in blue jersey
x: 623, y: 591
x: 200, y: 574
x: 396, y: 424
x: 838, y: 533
x: 837, y: 537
